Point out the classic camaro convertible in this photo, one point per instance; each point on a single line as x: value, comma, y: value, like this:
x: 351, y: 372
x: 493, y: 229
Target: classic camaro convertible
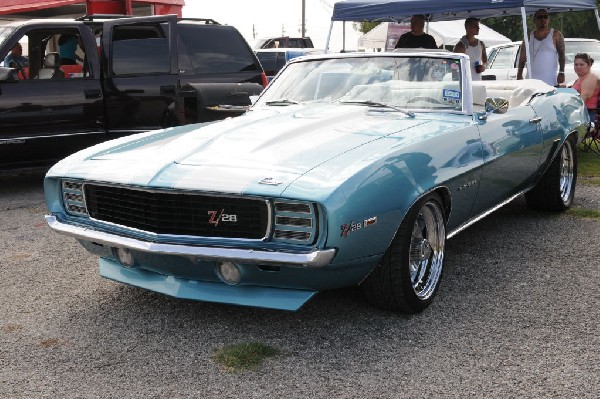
x: 350, y: 169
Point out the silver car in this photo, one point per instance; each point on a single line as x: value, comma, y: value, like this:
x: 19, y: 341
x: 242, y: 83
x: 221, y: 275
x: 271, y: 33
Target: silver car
x: 503, y: 59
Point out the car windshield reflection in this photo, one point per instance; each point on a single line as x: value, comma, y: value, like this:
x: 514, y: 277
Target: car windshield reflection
x: 423, y: 83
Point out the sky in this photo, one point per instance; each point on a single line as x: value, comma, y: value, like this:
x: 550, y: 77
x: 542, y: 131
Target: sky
x: 267, y: 18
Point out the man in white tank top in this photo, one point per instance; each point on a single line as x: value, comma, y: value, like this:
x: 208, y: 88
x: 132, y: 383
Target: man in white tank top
x: 547, y: 51
x: 473, y: 47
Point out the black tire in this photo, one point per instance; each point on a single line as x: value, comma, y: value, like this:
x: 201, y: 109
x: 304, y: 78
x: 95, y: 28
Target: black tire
x: 556, y: 188
x: 409, y: 274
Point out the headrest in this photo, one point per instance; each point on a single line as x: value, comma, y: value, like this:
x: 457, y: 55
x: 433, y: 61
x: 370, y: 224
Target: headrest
x: 479, y: 94
x: 52, y: 60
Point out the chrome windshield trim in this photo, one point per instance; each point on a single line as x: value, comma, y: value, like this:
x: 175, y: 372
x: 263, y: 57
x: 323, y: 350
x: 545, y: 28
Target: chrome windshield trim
x: 314, y: 258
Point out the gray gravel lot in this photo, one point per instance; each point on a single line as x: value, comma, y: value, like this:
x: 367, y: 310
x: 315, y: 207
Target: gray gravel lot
x: 517, y: 316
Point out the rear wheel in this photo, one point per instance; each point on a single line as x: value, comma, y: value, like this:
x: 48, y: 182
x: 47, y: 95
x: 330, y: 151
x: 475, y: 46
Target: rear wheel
x: 410, y: 271
x: 556, y: 189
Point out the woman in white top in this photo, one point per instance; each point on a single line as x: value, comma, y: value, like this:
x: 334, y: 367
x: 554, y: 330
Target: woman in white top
x: 473, y: 47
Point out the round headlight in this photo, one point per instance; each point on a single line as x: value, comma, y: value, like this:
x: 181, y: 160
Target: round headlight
x: 229, y: 273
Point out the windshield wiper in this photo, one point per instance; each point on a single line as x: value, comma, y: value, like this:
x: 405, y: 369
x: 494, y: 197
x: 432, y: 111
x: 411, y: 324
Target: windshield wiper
x: 283, y: 101
x: 372, y: 103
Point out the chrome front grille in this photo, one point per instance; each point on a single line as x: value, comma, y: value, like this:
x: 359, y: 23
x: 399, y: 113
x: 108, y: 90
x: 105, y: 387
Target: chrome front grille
x: 192, y: 214
x: 295, y: 222
x: 73, y: 199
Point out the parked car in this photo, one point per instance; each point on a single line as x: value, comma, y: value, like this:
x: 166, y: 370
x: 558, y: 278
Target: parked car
x: 350, y: 169
x: 273, y: 59
x: 133, y: 75
x: 282, y: 42
x: 503, y: 59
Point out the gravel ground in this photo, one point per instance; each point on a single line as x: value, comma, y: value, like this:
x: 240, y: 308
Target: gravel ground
x: 517, y: 315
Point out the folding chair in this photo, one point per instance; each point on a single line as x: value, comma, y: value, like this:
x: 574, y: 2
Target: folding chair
x: 591, y: 140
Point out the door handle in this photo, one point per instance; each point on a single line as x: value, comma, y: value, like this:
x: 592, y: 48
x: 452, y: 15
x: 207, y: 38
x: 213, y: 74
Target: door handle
x: 93, y: 93
x: 537, y: 119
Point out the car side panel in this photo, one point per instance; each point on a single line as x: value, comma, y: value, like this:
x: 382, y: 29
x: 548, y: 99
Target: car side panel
x: 514, y: 143
x: 366, y: 211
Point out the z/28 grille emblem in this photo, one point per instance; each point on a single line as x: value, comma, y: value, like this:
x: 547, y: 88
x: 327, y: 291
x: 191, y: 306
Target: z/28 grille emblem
x: 217, y: 217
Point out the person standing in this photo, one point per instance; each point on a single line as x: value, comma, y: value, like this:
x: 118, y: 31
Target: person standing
x: 67, y: 49
x: 416, y: 38
x: 547, y: 52
x: 473, y: 47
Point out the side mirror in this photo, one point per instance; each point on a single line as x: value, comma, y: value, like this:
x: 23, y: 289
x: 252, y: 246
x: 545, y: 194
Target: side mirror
x: 8, y: 75
x: 496, y: 105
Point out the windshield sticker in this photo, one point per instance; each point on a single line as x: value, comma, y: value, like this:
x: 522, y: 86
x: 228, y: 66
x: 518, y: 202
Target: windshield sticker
x: 450, y: 96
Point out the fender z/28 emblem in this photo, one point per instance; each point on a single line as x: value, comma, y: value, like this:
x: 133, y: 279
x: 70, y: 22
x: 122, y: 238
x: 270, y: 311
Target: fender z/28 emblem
x: 217, y: 217
x: 351, y: 227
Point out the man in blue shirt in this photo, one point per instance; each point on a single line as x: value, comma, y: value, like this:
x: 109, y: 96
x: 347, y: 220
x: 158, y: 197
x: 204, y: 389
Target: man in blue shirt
x: 16, y: 56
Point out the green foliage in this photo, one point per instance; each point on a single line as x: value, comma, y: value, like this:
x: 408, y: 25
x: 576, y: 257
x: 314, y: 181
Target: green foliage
x: 588, y: 168
x: 571, y: 24
x: 584, y: 213
x: 244, y: 356
x: 364, y: 26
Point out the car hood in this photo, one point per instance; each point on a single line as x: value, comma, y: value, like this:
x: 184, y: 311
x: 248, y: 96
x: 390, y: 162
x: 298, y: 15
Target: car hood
x: 267, y: 147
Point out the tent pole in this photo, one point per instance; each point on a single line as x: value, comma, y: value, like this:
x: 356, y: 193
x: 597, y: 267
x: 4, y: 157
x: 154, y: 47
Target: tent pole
x: 328, y: 38
x: 344, y: 37
x: 526, y: 41
x: 597, y: 17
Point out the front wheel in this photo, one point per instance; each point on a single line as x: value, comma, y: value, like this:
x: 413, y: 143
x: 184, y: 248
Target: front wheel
x: 556, y: 188
x: 410, y: 271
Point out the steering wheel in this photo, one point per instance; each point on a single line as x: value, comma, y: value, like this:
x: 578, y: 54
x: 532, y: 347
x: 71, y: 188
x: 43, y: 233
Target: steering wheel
x: 425, y: 99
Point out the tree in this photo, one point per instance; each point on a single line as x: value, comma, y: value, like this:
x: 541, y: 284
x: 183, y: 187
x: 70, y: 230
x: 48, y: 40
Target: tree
x: 364, y: 26
x: 571, y: 24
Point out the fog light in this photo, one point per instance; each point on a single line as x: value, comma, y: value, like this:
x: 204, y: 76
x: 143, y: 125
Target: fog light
x: 124, y: 256
x: 229, y: 273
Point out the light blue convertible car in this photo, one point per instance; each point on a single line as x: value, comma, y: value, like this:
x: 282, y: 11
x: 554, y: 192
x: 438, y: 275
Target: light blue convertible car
x: 350, y: 169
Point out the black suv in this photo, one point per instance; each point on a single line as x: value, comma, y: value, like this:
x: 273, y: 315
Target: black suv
x: 116, y: 77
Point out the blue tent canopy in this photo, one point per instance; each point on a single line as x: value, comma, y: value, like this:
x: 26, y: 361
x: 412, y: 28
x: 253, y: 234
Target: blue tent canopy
x: 438, y: 10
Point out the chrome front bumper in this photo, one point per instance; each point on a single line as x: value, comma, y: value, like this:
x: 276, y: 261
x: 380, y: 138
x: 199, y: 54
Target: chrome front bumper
x: 315, y: 258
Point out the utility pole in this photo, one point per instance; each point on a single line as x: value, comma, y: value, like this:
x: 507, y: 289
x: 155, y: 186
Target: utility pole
x: 303, y: 18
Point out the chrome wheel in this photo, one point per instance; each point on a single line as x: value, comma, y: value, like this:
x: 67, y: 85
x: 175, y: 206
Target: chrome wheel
x: 556, y: 188
x: 426, y: 253
x: 567, y: 168
x: 409, y: 274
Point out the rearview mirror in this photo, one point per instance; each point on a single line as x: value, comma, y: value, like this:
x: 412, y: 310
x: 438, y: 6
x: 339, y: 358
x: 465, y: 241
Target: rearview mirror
x: 496, y: 105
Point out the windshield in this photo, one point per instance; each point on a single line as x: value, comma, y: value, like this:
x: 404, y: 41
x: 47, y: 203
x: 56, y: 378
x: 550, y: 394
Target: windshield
x: 423, y: 83
x: 4, y: 33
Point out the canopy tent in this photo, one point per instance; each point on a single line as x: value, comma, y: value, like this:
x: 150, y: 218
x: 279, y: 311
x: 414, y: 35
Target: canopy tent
x: 446, y: 33
x: 436, y: 10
